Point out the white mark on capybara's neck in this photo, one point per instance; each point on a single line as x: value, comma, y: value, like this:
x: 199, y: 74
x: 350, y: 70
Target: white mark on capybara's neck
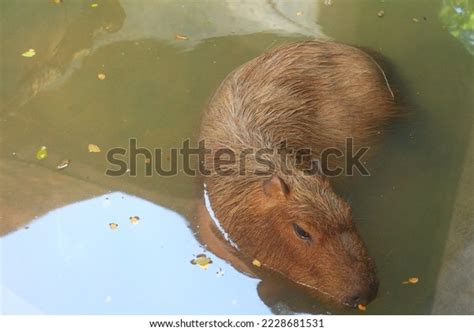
x: 214, y: 219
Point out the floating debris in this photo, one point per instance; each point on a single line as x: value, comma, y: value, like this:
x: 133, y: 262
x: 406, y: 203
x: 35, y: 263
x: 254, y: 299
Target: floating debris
x: 328, y: 2
x: 42, y: 153
x: 29, y: 53
x: 220, y: 272
x: 299, y: 13
x: 202, y: 261
x: 381, y: 13
x: 94, y: 5
x: 134, y: 219
x: 113, y: 226
x: 57, y: 2
x: 181, y: 37
x: 101, y: 76
x: 93, y: 148
x: 361, y: 307
x: 64, y: 164
x: 257, y: 263
x: 415, y: 20
x: 411, y: 280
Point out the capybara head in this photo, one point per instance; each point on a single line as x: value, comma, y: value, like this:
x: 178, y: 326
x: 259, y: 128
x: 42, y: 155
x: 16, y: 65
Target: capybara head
x: 298, y: 226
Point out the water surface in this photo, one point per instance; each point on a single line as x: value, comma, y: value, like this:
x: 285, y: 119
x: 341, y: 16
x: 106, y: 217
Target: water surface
x: 156, y: 86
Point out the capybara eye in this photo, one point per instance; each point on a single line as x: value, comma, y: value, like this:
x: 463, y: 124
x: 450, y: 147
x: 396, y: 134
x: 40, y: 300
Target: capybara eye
x: 302, y: 234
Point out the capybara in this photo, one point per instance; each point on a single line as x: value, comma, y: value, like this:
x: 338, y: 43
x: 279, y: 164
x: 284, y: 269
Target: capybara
x: 312, y: 95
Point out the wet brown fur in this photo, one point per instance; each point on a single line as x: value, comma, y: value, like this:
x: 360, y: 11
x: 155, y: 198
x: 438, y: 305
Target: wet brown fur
x: 313, y: 95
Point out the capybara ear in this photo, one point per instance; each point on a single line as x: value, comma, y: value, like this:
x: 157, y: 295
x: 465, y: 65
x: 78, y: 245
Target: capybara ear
x: 275, y: 187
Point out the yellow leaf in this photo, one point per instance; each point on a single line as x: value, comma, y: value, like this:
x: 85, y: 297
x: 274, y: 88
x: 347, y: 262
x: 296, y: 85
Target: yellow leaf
x: 101, y: 76
x: 411, y: 280
x: 64, y: 164
x: 361, y: 307
x: 94, y: 5
x: 134, y: 219
x: 29, y: 53
x: 93, y: 148
x: 202, y: 261
x: 181, y: 37
x: 257, y: 263
x: 42, y: 153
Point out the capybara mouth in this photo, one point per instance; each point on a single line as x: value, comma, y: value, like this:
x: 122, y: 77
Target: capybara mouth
x: 363, y: 297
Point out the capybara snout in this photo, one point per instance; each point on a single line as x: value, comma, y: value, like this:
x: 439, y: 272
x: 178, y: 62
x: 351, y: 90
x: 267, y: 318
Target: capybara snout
x: 363, y: 295
x: 311, y: 95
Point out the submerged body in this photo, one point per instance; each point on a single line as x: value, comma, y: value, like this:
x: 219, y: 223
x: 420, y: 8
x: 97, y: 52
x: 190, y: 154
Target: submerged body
x: 312, y: 96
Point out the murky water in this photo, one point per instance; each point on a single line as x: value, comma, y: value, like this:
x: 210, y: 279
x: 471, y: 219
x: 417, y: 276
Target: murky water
x: 161, y: 61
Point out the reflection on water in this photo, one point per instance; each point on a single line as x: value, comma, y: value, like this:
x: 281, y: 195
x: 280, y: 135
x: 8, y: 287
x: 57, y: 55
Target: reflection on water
x: 129, y: 21
x: 71, y: 262
x: 458, y: 16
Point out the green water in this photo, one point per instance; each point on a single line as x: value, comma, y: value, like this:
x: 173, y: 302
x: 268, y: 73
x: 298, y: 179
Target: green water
x: 156, y: 87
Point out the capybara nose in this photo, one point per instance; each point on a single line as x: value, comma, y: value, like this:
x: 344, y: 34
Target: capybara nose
x: 363, y: 296
x: 356, y: 300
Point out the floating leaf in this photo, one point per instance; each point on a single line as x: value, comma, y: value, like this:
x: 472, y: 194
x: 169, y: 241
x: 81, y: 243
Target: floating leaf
x: 93, y: 148
x: 29, y: 53
x: 361, y: 307
x: 415, y: 20
x: 298, y: 13
x: 411, y: 280
x: 42, y: 153
x: 57, y: 2
x: 94, y: 5
x: 134, y: 219
x: 101, y: 76
x: 64, y: 164
x: 201, y: 261
x: 381, y: 13
x: 113, y: 226
x: 181, y: 37
x: 257, y: 263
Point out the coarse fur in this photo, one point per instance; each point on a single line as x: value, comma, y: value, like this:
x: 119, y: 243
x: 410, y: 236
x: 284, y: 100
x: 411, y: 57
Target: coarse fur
x: 314, y: 95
